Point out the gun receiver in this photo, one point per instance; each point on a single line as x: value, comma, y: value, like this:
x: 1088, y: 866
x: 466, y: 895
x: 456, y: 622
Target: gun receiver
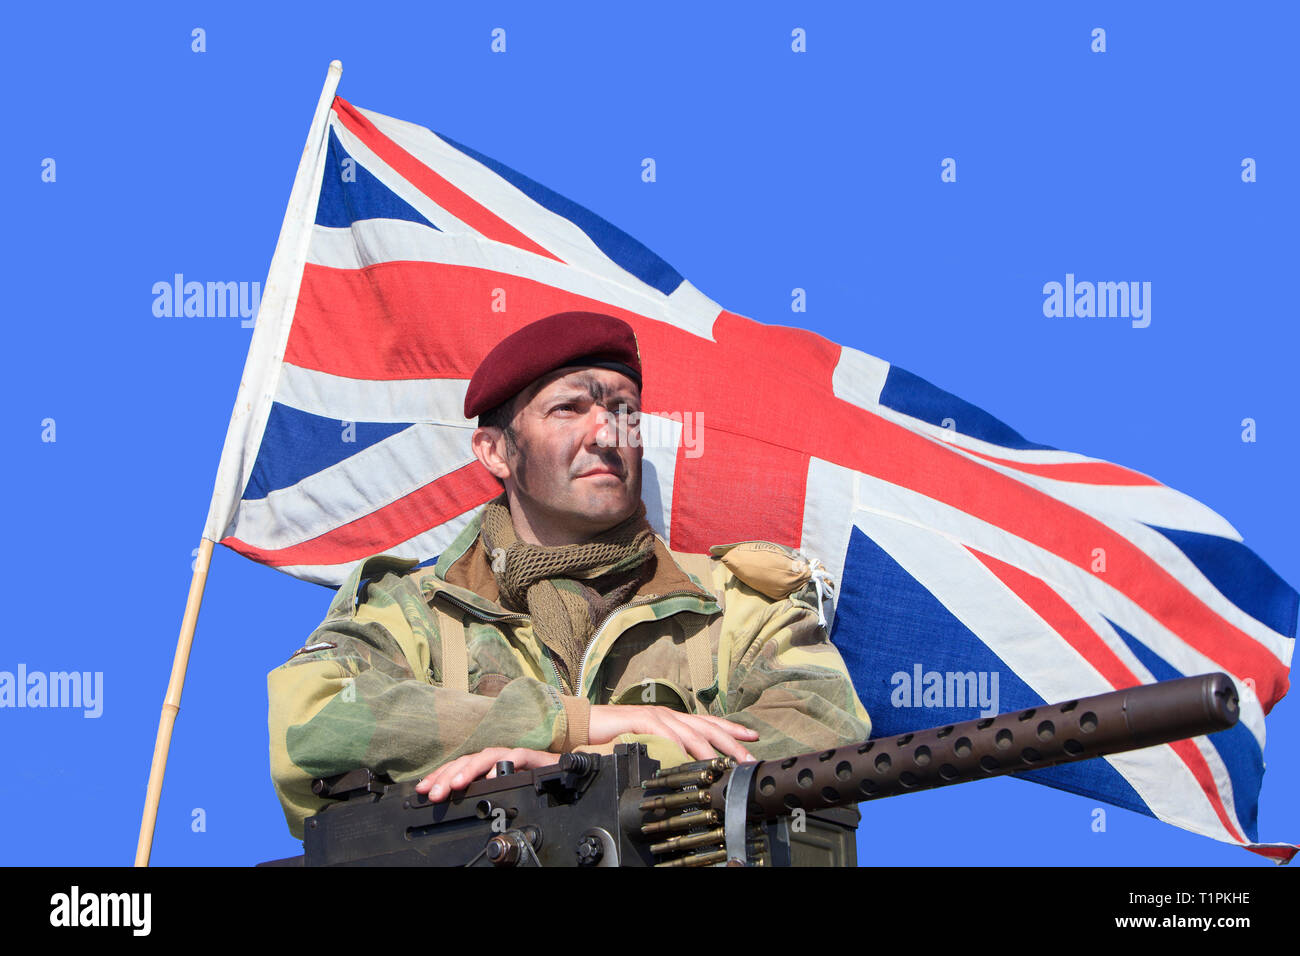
x: 622, y: 809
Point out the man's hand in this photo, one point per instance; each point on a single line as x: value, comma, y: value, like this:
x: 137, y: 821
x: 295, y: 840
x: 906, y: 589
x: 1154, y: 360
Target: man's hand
x: 459, y: 773
x: 700, y: 735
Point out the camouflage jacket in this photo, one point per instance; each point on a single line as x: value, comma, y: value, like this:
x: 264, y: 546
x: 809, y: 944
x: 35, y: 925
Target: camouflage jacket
x: 372, y: 687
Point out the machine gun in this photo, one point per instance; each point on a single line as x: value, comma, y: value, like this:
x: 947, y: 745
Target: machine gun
x: 624, y: 810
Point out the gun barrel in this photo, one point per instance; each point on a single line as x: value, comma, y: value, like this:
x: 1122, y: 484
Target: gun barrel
x: 1021, y: 740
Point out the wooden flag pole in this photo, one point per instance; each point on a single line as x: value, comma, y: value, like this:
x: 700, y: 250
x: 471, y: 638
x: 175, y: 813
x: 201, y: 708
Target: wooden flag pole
x: 172, y: 703
x: 290, y: 250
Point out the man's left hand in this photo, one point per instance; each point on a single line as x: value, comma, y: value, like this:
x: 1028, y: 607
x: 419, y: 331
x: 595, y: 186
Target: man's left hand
x: 459, y: 773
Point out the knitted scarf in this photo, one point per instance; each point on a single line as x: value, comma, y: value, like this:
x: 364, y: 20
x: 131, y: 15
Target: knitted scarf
x: 570, y: 589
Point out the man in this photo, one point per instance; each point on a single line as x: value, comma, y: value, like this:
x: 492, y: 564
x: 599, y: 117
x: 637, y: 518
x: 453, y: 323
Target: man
x: 558, y: 620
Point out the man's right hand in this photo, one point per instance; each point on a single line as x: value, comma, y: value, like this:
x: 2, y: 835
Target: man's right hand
x: 700, y: 735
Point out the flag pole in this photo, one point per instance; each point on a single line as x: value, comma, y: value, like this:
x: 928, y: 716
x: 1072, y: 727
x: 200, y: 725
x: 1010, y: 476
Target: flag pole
x: 286, y: 249
x: 172, y: 703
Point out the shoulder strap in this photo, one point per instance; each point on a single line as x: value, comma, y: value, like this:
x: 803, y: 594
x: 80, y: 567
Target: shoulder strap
x: 455, y: 656
x: 701, y: 645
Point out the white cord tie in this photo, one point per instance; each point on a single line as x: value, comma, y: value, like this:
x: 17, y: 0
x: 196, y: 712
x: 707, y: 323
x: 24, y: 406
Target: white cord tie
x: 825, y: 586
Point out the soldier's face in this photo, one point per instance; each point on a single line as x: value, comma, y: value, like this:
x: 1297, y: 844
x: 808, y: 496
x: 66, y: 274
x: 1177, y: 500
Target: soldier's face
x: 576, y: 464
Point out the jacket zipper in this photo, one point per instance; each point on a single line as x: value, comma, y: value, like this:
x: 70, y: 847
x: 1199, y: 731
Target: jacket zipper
x: 582, y: 666
x: 550, y: 659
x: 481, y: 615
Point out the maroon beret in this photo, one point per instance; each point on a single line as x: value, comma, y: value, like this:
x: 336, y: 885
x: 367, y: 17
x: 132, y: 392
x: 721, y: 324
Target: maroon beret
x: 557, y: 341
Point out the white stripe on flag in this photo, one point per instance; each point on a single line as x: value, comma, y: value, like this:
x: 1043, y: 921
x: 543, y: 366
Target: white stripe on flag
x: 662, y: 437
x: 971, y: 593
x: 1149, y: 504
x: 846, y: 389
x: 553, y: 232
x: 859, y: 378
x: 439, y: 401
x: 352, y: 488
x: 826, y: 533
x: 1168, y: 787
x: 422, y: 547
x: 418, y: 200
x: 375, y: 241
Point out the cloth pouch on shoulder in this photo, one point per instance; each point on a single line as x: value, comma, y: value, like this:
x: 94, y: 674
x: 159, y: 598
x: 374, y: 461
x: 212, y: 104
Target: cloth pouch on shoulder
x: 766, y: 567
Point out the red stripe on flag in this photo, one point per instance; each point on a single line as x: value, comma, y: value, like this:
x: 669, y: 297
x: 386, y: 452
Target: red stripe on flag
x: 1195, y: 761
x: 739, y: 487
x: 1083, y: 472
x: 711, y: 509
x: 1044, y: 601
x: 437, y: 502
x: 1278, y: 854
x: 469, y: 211
x: 1056, y: 612
x: 403, y: 320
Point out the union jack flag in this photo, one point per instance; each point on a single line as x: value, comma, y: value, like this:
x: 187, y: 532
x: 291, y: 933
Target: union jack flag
x: 964, y: 553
